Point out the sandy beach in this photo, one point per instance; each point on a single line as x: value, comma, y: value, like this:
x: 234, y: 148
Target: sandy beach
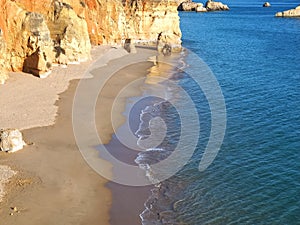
x: 54, y: 184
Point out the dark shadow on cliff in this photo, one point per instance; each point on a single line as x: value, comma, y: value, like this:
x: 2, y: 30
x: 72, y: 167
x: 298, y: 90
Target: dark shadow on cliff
x: 58, y: 51
x: 36, y: 63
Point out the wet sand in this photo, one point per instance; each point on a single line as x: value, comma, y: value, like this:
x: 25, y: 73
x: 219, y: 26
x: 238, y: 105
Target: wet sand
x: 54, y: 184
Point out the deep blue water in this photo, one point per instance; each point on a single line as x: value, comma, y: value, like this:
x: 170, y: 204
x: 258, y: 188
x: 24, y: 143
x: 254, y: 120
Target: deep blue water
x: 255, y: 57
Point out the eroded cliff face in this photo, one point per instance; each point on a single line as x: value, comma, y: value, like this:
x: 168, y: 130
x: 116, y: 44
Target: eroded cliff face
x: 37, y: 38
x: 3, y: 60
x: 37, y: 33
x: 146, y: 20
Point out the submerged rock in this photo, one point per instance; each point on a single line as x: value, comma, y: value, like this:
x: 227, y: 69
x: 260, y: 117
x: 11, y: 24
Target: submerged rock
x: 267, y: 4
x: 215, y: 6
x: 11, y: 140
x: 289, y: 13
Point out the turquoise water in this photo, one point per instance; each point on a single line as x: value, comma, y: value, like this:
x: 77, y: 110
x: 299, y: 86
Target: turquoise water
x: 255, y: 178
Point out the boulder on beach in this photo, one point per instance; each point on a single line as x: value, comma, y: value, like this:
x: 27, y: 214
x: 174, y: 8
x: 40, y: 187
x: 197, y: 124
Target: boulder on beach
x: 11, y: 140
x: 289, y: 13
x: 267, y: 4
x: 215, y: 6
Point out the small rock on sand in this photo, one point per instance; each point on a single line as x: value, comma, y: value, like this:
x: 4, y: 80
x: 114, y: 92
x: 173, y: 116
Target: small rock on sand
x: 11, y: 140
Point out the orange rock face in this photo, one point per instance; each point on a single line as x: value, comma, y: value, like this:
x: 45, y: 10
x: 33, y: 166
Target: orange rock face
x: 73, y: 25
x: 3, y: 60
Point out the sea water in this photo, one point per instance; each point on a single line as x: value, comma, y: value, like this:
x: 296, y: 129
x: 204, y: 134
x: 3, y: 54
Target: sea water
x: 255, y: 178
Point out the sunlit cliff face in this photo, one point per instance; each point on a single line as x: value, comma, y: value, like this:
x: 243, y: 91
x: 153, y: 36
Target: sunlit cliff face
x: 72, y: 25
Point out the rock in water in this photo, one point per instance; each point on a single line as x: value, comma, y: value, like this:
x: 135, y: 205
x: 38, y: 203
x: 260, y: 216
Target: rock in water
x: 289, y: 13
x: 215, y: 6
x: 201, y: 8
x: 11, y: 140
x: 267, y: 4
x: 188, y: 6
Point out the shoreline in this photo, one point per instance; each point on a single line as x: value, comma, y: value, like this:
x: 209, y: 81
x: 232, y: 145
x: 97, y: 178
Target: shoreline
x: 54, y: 184
x: 23, y: 90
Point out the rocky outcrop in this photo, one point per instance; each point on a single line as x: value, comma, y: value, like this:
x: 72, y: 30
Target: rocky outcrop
x: 188, y: 6
x: 267, y: 4
x: 210, y: 5
x: 146, y: 20
x: 70, y: 34
x: 191, y: 6
x: 11, y: 140
x: 201, y: 8
x: 289, y: 13
x: 163, y: 43
x: 38, y: 34
x: 37, y: 55
x: 27, y: 38
x: 215, y: 6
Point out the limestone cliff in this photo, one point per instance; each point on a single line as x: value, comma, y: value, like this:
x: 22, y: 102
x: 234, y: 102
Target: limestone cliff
x: 146, y: 20
x: 39, y: 33
x: 3, y: 60
x: 36, y: 39
x: 17, y: 34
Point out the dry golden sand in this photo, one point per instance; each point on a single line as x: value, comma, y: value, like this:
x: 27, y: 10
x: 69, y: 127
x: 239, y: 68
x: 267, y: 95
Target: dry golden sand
x: 54, y: 184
